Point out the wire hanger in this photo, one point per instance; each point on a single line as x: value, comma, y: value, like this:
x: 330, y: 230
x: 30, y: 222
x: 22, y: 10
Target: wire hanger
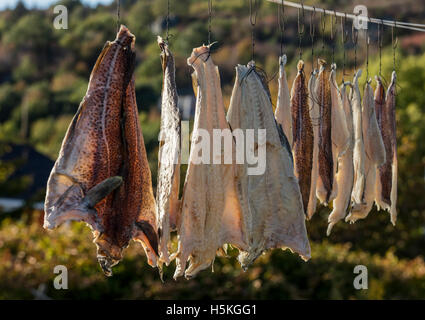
x: 301, y: 28
x: 118, y: 15
x: 312, y: 33
x: 394, y: 44
x: 344, y: 41
x: 281, y: 23
x: 355, y: 37
x: 253, y: 8
x: 323, y: 26
x: 333, y: 32
x: 367, y: 53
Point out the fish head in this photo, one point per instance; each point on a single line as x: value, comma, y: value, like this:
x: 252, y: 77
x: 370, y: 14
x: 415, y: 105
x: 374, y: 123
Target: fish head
x: 108, y: 253
x: 65, y: 202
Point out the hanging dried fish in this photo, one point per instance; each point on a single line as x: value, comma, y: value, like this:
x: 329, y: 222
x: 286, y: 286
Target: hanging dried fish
x: 275, y: 217
x: 359, y: 150
x: 345, y: 174
x: 386, y: 182
x: 375, y: 156
x: 211, y: 213
x: 102, y: 176
x: 283, y: 108
x: 325, y: 163
x: 167, y: 195
x: 314, y: 115
x: 302, y: 132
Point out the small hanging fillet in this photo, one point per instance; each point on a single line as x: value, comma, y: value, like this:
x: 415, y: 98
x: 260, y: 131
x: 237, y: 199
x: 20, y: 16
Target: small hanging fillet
x: 326, y: 165
x: 314, y: 115
x: 386, y: 182
x: 211, y: 213
x: 359, y: 149
x: 345, y: 174
x: 167, y: 194
x: 102, y: 176
x: 302, y: 132
x: 273, y: 210
x: 375, y: 156
x: 283, y: 109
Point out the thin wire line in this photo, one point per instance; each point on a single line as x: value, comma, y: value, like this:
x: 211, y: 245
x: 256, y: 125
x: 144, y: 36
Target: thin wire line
x: 118, y: 14
x: 253, y: 20
x: 367, y: 54
x: 344, y: 41
x: 355, y: 37
x: 168, y: 20
x: 380, y: 31
x: 333, y: 31
x: 209, y: 20
x: 323, y: 25
x: 281, y: 24
x: 390, y: 23
x: 300, y: 32
x: 394, y: 45
x: 312, y: 33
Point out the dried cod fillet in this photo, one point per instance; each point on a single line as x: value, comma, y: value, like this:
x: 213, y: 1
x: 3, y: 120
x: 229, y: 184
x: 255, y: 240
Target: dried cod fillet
x: 302, y: 132
x: 167, y: 195
x: 345, y: 175
x: 102, y: 175
x: 325, y: 159
x: 339, y: 131
x: 359, y: 150
x: 386, y: 182
x: 275, y: 217
x: 211, y: 213
x: 314, y: 115
x: 375, y: 155
x: 283, y: 108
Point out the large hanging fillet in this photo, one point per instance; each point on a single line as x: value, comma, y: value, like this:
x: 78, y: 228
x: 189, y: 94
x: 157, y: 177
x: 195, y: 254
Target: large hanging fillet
x: 314, y: 115
x: 167, y: 195
x: 375, y: 155
x: 359, y: 149
x: 283, y: 106
x: 333, y: 132
x: 386, y: 182
x: 302, y: 132
x: 211, y: 214
x: 273, y: 212
x: 345, y: 174
x: 102, y: 176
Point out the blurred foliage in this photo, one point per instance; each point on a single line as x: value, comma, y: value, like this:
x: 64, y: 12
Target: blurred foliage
x: 44, y: 73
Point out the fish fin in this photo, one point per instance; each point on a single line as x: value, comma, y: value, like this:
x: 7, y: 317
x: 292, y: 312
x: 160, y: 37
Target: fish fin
x: 146, y: 235
x: 101, y: 190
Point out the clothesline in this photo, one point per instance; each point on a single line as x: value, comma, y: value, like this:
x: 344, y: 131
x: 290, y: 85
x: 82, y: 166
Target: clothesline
x: 390, y: 23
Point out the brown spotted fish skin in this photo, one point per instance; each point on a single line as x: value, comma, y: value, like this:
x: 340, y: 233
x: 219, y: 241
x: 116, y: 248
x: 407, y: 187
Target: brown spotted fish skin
x: 386, y: 184
x: 86, y: 181
x: 302, y: 133
x: 326, y: 171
